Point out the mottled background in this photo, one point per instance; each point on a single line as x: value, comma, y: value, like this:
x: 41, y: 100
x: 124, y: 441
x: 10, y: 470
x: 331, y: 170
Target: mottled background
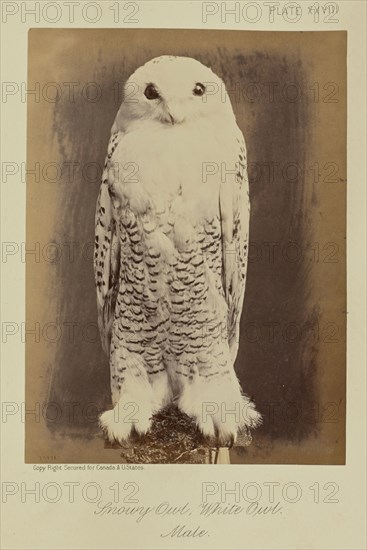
x: 292, y: 349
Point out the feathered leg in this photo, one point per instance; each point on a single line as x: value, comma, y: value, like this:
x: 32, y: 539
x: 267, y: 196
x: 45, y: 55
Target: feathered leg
x: 136, y: 396
x: 212, y: 395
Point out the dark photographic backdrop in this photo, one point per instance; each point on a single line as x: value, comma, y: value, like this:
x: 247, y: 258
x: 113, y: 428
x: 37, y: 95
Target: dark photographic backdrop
x: 288, y: 91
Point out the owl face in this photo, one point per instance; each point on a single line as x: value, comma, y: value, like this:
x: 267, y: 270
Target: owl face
x: 174, y: 91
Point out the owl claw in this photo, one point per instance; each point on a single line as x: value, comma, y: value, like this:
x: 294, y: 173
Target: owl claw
x: 229, y: 443
x: 118, y: 423
x: 207, y: 428
x: 226, y: 436
x: 220, y: 410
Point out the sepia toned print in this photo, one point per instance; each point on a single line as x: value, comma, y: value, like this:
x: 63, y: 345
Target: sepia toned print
x: 289, y: 101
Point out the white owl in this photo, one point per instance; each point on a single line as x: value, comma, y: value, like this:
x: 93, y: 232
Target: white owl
x: 171, y: 252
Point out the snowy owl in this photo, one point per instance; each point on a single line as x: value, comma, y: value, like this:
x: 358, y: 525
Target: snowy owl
x: 171, y: 241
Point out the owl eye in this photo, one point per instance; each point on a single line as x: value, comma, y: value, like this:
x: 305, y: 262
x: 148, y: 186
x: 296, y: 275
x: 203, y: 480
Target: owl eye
x: 199, y: 89
x: 151, y: 92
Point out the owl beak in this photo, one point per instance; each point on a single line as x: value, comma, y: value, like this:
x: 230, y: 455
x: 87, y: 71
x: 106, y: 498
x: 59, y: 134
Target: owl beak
x: 173, y: 118
x: 173, y: 113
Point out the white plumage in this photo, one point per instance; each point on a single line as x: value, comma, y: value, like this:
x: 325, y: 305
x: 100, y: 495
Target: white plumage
x: 171, y: 252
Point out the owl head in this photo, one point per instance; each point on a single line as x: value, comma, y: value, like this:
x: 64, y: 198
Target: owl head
x: 172, y: 91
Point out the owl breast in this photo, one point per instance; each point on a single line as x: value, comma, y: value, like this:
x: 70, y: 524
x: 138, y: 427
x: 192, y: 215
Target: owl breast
x: 188, y: 160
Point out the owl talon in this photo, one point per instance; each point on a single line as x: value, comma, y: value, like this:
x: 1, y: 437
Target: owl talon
x: 118, y: 424
x: 230, y: 442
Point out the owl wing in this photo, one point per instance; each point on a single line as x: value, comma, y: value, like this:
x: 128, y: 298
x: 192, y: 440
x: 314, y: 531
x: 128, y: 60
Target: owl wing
x: 106, y: 252
x: 235, y: 216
